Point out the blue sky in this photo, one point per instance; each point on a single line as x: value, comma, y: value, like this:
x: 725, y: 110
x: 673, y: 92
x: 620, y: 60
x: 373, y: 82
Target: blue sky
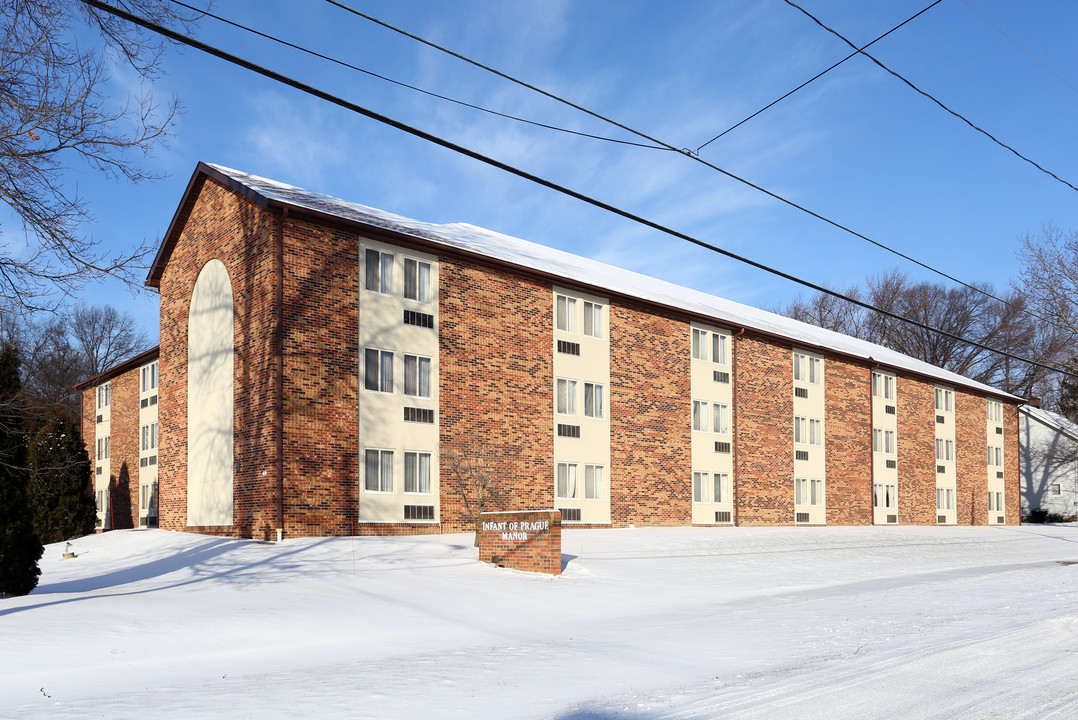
x: 857, y: 146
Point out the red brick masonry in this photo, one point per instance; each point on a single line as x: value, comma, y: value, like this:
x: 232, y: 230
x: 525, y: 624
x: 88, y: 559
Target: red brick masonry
x: 529, y: 541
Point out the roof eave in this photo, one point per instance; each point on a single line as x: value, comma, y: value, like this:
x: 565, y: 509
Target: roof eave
x: 119, y: 368
x: 183, y: 212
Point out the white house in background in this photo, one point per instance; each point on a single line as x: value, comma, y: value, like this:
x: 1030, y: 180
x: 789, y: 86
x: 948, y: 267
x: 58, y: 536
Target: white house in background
x: 1049, y: 462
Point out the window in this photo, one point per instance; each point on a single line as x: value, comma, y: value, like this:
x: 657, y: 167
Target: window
x: 883, y: 441
x: 711, y: 487
x: 417, y: 280
x: 806, y: 368
x: 718, y: 348
x: 699, y: 415
x: 883, y: 386
x: 593, y: 319
x: 944, y: 498
x: 566, y: 397
x: 995, y: 456
x: 103, y: 448
x: 995, y: 411
x: 995, y: 502
x: 566, y: 313
x: 808, y: 491
x: 944, y: 449
x: 720, y: 486
x: 944, y: 400
x: 378, y: 374
x: 1055, y: 488
x: 593, y: 482
x: 808, y: 431
x: 567, y: 480
x: 699, y: 486
x: 149, y: 377
x: 883, y: 495
x: 419, y: 415
x: 416, y: 376
x: 416, y: 472
x: 149, y: 437
x: 379, y: 275
x: 104, y: 395
x: 593, y: 400
x: 721, y: 420
x: 699, y: 344
x: 566, y: 430
x: 378, y: 470
x: 419, y: 319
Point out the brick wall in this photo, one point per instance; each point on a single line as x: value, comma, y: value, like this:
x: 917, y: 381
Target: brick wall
x: 650, y: 418
x: 237, y: 232
x: 915, y: 405
x: 123, y: 456
x: 321, y: 300
x: 89, y: 429
x: 529, y: 541
x: 764, y: 465
x: 848, y: 428
x: 971, y: 424
x: 1011, y: 472
x: 496, y: 394
x: 496, y: 384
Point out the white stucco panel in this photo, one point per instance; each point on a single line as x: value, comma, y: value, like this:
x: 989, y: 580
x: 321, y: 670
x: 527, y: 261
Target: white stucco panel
x: 210, y: 357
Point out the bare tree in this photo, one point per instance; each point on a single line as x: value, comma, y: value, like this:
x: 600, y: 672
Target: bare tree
x: 1049, y: 275
x: 477, y: 470
x: 55, y: 115
x: 58, y: 352
x: 103, y: 336
x: 1049, y: 280
x: 961, y: 312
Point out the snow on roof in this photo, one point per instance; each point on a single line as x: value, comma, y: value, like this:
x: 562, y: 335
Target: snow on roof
x: 488, y: 243
x: 1053, y: 420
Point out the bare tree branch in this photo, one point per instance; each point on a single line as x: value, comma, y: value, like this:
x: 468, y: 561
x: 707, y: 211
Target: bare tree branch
x: 55, y: 115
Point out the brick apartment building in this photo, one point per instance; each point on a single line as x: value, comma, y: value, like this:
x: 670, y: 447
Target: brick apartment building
x: 324, y: 366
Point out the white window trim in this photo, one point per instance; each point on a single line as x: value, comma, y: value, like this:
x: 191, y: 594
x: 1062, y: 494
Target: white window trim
x: 593, y: 315
x: 381, y: 458
x: 404, y: 481
x: 569, y: 314
x: 382, y: 353
x: 575, y: 479
x: 570, y: 406
x: 598, y: 483
x: 418, y: 266
x: 419, y: 375
x: 597, y: 409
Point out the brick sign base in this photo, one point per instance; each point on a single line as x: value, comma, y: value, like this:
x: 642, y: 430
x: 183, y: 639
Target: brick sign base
x: 529, y: 541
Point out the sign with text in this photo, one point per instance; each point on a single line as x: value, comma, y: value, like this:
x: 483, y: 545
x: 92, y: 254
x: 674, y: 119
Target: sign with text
x: 527, y: 540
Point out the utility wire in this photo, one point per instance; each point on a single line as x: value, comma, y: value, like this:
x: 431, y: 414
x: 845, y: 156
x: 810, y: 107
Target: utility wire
x: 423, y: 135
x: 964, y: 119
x: 817, y: 76
x: 1021, y: 46
x: 690, y: 154
x: 406, y: 85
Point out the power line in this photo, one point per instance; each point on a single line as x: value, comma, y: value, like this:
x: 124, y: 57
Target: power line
x: 690, y: 154
x: 963, y: 118
x: 817, y: 76
x: 410, y: 87
x: 423, y: 135
x: 1021, y: 46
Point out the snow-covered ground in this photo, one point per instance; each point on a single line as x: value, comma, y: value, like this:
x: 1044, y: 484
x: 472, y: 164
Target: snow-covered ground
x: 648, y: 623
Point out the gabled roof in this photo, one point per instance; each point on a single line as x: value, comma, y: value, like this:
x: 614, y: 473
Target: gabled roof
x: 120, y: 368
x: 1053, y: 421
x: 535, y: 258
